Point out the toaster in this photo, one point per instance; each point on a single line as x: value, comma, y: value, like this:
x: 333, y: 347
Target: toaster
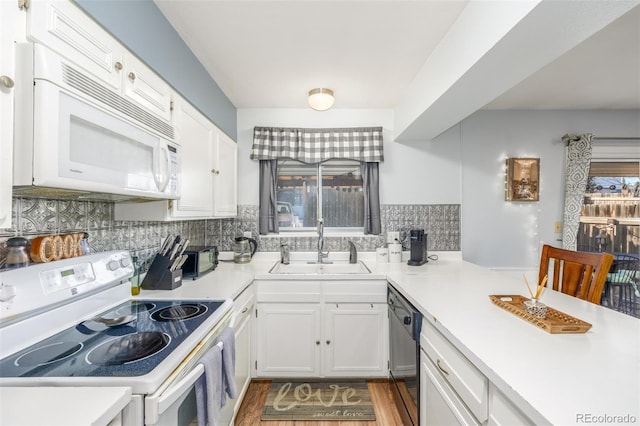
x: 200, y: 260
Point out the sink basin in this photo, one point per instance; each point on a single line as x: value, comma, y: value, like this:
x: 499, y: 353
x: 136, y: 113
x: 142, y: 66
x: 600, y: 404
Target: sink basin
x: 304, y: 268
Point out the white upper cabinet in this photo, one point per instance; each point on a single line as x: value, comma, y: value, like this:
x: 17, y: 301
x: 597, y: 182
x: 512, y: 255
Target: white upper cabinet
x: 225, y: 176
x: 12, y: 21
x: 66, y: 29
x: 145, y: 87
x: 196, y: 136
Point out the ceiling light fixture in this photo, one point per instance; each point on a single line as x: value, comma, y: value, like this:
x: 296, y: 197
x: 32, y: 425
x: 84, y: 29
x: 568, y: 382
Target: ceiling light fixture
x: 321, y: 99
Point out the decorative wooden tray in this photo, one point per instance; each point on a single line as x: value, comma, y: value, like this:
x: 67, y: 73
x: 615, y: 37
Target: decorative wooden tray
x: 556, y: 322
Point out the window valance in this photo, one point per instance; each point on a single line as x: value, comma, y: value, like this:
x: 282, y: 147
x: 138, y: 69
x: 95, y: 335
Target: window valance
x: 317, y: 145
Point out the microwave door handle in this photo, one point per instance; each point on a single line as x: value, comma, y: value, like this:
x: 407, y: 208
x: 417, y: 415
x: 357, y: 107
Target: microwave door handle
x: 161, y: 175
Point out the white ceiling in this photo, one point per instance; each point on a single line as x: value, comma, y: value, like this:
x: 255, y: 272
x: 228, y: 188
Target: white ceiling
x: 268, y: 54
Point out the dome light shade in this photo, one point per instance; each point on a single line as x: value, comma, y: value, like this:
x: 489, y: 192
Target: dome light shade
x: 321, y: 99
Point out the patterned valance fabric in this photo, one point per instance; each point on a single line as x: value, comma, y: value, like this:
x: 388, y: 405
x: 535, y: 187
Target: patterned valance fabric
x: 578, y: 162
x: 317, y: 145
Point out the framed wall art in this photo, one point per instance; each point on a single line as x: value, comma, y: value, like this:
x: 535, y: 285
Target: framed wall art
x: 523, y: 179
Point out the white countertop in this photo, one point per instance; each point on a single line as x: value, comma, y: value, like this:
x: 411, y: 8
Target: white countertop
x: 54, y: 406
x: 553, y: 378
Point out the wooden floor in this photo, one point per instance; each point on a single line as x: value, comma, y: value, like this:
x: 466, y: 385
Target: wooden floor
x: 253, y: 403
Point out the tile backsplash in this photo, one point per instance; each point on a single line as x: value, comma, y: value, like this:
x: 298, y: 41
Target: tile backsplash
x: 37, y: 216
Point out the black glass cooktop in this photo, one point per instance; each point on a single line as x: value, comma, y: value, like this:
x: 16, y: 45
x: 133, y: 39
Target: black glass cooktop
x: 93, y: 348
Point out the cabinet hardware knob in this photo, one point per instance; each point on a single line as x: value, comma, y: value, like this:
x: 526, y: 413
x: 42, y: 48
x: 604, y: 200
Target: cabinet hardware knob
x: 6, y: 81
x: 215, y: 171
x: 132, y: 76
x: 118, y: 65
x: 328, y: 342
x: 317, y: 342
x: 446, y: 373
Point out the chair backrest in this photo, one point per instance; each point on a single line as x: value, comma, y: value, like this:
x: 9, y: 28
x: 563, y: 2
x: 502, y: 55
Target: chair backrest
x: 576, y: 273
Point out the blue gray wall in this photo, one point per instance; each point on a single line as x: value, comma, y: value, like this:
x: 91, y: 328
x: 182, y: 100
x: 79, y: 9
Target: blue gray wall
x: 146, y: 32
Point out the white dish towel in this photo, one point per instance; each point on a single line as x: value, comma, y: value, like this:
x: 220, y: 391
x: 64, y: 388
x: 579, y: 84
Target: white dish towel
x: 218, y: 379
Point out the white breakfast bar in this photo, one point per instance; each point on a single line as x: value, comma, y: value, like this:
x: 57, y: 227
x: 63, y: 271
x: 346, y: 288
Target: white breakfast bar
x: 562, y: 379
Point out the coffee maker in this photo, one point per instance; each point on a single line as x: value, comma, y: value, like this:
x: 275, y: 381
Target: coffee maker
x: 418, y: 253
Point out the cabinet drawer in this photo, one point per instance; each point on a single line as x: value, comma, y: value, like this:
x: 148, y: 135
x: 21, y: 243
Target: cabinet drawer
x: 439, y: 404
x: 355, y: 291
x: 243, y: 305
x: 289, y: 291
x: 458, y: 371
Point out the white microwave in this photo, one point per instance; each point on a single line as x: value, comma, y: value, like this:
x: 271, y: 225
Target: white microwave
x: 75, y: 136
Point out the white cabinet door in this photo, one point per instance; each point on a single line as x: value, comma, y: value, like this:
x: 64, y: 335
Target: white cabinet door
x: 502, y: 412
x: 196, y: 135
x: 225, y: 176
x: 11, y: 20
x: 146, y: 88
x: 355, y: 340
x: 66, y: 29
x: 439, y: 404
x: 288, y: 340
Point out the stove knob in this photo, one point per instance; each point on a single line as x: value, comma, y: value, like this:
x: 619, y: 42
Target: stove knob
x: 113, y: 265
x: 124, y: 262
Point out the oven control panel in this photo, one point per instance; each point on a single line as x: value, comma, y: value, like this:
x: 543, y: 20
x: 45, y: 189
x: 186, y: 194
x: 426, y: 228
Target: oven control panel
x: 43, y: 285
x: 66, y: 277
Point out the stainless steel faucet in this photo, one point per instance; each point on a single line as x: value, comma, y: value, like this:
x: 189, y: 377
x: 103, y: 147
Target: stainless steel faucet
x: 321, y: 254
x: 353, y: 253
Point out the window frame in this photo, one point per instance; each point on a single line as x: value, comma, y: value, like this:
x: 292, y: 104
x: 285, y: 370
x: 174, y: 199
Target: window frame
x: 331, y: 230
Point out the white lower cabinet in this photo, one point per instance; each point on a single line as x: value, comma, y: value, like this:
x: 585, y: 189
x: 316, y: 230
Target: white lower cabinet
x: 439, y: 403
x: 288, y: 340
x: 453, y: 391
x: 503, y: 412
x: 305, y: 330
x: 457, y: 371
x: 354, y: 339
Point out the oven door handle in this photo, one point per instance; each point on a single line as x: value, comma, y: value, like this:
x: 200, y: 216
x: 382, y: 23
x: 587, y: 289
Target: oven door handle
x: 157, y: 403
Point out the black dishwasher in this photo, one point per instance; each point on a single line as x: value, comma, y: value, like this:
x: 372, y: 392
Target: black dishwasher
x: 405, y: 323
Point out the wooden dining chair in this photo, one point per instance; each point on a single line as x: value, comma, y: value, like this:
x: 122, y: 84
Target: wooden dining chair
x: 576, y: 273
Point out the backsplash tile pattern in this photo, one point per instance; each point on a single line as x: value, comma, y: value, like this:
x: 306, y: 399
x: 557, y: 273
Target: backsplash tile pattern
x: 37, y: 216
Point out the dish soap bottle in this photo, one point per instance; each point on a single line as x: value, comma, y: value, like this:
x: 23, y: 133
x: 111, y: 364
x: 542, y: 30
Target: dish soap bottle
x: 135, y: 279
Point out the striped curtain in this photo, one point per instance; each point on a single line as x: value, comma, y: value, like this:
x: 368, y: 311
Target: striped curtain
x: 317, y: 145
x: 578, y: 162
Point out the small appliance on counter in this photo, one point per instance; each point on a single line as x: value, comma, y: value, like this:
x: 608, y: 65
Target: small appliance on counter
x: 418, y: 247
x: 200, y: 260
x: 243, y: 249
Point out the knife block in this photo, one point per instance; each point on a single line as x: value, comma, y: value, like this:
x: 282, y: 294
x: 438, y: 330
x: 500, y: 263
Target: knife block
x: 159, y: 277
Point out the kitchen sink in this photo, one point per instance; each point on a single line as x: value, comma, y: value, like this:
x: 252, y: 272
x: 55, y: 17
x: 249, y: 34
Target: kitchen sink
x: 305, y: 268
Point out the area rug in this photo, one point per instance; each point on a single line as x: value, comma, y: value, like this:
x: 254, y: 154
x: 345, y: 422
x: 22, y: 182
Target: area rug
x: 318, y: 400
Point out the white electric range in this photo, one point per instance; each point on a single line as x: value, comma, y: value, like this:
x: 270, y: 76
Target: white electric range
x: 73, y: 323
